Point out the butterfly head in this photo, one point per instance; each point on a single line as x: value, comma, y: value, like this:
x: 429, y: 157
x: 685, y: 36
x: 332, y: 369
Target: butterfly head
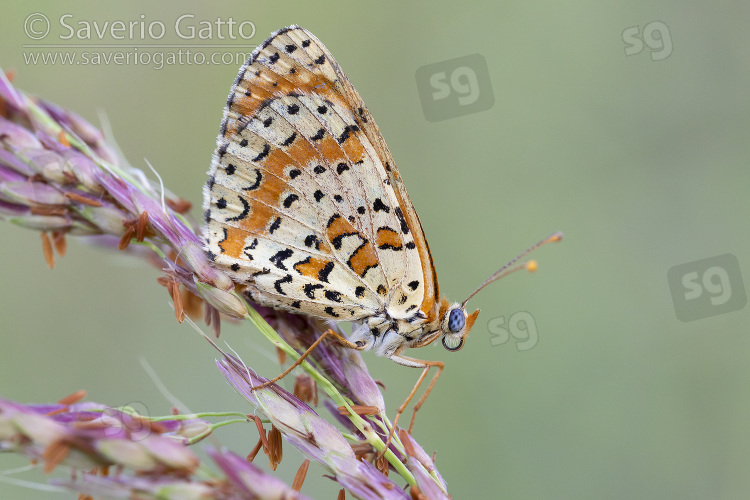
x: 455, y: 325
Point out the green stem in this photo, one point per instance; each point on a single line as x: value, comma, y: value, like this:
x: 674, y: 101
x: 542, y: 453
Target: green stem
x: 362, y: 425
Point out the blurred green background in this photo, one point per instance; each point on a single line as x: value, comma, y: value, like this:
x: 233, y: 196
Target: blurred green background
x: 641, y: 160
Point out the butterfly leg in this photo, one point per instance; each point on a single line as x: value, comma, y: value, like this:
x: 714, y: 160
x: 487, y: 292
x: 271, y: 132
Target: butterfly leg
x: 415, y: 363
x: 328, y: 333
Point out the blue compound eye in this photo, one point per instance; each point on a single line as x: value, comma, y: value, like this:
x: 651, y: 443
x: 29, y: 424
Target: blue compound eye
x: 456, y: 320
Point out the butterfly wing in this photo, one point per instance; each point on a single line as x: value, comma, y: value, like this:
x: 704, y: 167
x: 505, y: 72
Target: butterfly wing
x: 304, y: 203
x: 371, y: 130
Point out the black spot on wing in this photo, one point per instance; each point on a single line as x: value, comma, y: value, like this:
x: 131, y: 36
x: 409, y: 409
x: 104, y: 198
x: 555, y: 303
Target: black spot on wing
x: 347, y: 131
x: 275, y: 225
x: 329, y: 309
x: 243, y: 214
x: 388, y: 246
x: 413, y: 285
x: 309, y: 289
x: 400, y: 215
x: 359, y: 291
x: 279, y: 257
x: 277, y: 284
x: 311, y: 240
x: 323, y: 273
x: 333, y: 296
x: 290, y: 199
x: 262, y: 154
x: 379, y: 205
x: 255, y: 185
x: 290, y: 139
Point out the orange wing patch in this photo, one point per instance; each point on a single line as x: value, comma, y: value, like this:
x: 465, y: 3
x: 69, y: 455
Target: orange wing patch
x: 363, y: 259
x: 332, y: 151
x: 361, y: 255
x: 338, y: 228
x: 233, y: 242
x: 388, y: 239
x: 314, y: 268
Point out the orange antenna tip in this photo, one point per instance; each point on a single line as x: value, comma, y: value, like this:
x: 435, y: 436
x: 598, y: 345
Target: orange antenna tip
x: 509, y: 268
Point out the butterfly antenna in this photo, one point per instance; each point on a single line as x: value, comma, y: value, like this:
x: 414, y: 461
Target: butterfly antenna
x: 510, y: 268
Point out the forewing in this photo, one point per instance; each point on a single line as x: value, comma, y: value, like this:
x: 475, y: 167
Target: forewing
x: 299, y: 203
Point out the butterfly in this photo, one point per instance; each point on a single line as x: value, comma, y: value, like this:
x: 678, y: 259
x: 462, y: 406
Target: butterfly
x: 305, y: 206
